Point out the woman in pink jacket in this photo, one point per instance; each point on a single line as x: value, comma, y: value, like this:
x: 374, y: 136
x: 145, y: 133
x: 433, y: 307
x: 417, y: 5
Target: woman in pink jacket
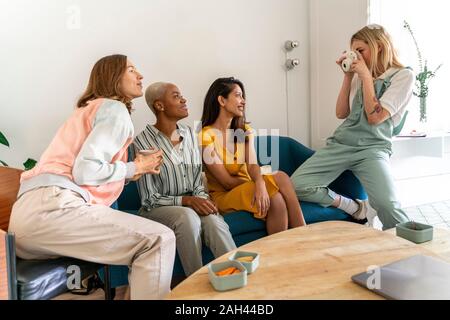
x: 63, y: 206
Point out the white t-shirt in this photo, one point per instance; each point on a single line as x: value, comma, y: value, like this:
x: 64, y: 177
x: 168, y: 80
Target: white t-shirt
x: 396, y: 98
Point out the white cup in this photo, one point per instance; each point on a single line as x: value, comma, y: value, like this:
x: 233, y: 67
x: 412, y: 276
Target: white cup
x: 148, y: 152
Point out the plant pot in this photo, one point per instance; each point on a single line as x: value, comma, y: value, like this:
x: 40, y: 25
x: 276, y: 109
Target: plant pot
x: 414, y: 231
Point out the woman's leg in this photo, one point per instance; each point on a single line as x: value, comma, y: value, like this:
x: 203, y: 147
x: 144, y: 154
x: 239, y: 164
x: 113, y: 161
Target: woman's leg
x: 277, y: 216
x: 374, y: 172
x: 186, y: 225
x: 52, y: 222
x: 295, y: 214
x: 216, y: 234
x: 312, y: 178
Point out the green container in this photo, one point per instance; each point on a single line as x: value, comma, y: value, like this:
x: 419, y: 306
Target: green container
x: 225, y: 283
x: 250, y: 266
x: 415, y: 231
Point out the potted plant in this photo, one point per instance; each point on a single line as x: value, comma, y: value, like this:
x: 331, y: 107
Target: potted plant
x: 28, y: 165
x: 422, y: 78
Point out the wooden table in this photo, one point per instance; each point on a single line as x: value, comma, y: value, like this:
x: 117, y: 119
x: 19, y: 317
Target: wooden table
x: 439, y: 245
x: 313, y: 262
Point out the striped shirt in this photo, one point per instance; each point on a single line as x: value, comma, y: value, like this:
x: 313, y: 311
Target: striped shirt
x: 181, y: 171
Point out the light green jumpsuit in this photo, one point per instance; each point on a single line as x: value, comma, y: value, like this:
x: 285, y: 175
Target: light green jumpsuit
x: 365, y: 150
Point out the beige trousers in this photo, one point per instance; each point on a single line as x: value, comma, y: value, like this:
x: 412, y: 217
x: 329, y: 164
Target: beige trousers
x: 191, y: 230
x: 50, y: 222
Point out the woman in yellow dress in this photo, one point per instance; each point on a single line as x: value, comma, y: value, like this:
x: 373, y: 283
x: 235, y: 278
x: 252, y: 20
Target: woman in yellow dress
x: 234, y: 177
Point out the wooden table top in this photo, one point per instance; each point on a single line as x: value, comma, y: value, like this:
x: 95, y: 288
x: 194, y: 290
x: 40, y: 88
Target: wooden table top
x: 313, y: 262
x: 439, y: 245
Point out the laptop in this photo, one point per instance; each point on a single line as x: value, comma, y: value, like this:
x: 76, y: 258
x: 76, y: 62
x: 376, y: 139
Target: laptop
x: 418, y: 277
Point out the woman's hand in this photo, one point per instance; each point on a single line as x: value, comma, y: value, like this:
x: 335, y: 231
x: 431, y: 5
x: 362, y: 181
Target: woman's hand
x: 148, y: 163
x: 261, y: 197
x: 136, y: 177
x: 203, y: 207
x: 339, y: 63
x: 341, y: 58
x: 359, y: 67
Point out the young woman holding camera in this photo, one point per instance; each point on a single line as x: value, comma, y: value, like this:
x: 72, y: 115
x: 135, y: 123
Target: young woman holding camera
x: 373, y: 98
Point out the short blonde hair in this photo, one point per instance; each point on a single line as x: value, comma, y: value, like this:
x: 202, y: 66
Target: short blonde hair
x: 376, y: 37
x: 154, y: 92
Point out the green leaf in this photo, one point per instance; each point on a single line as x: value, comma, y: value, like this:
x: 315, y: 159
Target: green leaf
x: 3, y: 163
x: 3, y: 140
x: 29, y: 164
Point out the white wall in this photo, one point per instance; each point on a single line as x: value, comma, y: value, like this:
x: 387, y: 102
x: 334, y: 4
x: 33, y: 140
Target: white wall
x: 333, y: 22
x: 190, y: 43
x: 427, y: 24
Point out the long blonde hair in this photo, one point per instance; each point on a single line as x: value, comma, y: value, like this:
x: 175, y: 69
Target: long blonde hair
x: 376, y: 37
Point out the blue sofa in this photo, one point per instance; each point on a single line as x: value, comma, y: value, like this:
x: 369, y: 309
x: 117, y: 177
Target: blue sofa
x: 243, y: 226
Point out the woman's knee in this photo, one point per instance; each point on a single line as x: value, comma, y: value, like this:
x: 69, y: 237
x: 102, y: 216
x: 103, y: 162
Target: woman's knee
x: 161, y: 231
x: 187, y: 218
x: 300, y: 186
x: 282, y: 178
x: 212, y: 222
x: 278, y: 204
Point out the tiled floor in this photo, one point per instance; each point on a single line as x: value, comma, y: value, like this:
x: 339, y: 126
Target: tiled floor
x: 436, y: 214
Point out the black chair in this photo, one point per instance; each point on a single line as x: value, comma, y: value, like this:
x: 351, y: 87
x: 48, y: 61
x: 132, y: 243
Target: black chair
x: 46, y: 279
x: 38, y: 279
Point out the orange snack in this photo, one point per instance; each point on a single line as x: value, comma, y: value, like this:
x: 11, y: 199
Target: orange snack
x: 245, y: 259
x: 227, y: 271
x: 236, y: 271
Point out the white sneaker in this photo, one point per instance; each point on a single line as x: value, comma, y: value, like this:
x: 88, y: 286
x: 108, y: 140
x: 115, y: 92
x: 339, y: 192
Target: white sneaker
x: 376, y: 224
x: 364, y: 211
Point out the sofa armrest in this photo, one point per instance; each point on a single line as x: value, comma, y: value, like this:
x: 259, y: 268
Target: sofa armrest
x: 281, y: 153
x: 287, y: 154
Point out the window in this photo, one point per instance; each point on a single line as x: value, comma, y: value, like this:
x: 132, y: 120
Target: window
x: 430, y: 22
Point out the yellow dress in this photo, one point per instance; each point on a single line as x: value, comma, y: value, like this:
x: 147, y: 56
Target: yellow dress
x: 239, y: 198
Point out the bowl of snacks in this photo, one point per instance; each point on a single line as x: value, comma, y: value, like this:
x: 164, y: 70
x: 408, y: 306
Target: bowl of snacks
x: 415, y: 231
x: 227, y: 275
x: 250, y: 260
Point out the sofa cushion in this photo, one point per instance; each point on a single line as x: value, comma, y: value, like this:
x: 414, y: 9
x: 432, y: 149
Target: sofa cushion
x: 129, y: 198
x: 243, y: 222
x: 314, y: 213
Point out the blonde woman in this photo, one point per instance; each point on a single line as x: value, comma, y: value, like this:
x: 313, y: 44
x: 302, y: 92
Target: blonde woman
x: 372, y: 100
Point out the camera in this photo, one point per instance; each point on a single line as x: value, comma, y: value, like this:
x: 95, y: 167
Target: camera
x: 350, y: 57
